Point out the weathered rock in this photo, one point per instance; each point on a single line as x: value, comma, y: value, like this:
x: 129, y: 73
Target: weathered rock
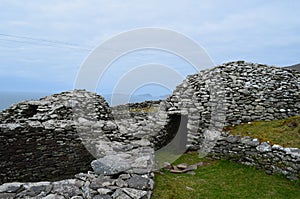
x: 66, y: 188
x: 104, y: 191
x: 264, y: 147
x: 11, y: 187
x: 54, y: 196
x: 112, y: 164
x: 138, y: 182
x: 119, y: 194
x: 7, y: 195
x: 135, y: 194
x: 105, y: 196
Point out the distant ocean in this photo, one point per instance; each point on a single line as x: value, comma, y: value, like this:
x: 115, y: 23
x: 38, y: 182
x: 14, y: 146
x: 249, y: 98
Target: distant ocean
x: 8, y: 98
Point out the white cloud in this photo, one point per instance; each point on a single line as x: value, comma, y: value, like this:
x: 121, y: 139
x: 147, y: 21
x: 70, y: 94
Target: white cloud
x: 258, y: 30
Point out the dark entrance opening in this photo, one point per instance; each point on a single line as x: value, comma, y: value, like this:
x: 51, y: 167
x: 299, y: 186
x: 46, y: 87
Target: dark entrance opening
x: 175, y: 133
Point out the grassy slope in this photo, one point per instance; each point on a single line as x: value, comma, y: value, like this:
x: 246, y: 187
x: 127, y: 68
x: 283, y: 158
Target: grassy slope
x: 222, y: 179
x: 283, y: 132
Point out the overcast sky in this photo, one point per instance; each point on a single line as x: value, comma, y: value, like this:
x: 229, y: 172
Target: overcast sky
x: 44, y: 43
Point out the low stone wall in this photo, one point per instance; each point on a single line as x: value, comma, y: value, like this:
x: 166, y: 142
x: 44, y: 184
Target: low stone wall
x: 84, y: 186
x: 250, y: 151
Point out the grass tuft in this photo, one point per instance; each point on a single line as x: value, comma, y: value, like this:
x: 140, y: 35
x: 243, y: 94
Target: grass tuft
x: 283, y: 132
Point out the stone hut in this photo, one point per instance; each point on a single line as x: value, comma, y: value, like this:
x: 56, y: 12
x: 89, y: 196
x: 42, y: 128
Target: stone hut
x: 43, y: 139
x: 234, y: 93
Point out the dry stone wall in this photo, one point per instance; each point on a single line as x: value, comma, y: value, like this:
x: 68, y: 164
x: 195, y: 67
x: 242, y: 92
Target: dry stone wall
x: 83, y: 185
x: 234, y: 93
x: 147, y: 120
x: 263, y: 155
x: 40, y: 140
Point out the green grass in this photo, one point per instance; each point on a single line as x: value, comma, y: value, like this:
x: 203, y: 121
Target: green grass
x: 222, y: 179
x: 226, y: 179
x: 283, y: 132
x: 143, y: 110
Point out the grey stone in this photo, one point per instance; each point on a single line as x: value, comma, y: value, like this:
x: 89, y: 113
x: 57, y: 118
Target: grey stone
x: 121, y: 183
x: 138, y: 182
x: 101, y: 181
x: 278, y: 147
x: 102, y: 197
x: 66, y: 188
x: 253, y: 142
x: 112, y: 164
x: 109, y: 126
x: 119, y: 194
x: 104, y: 191
x: 88, y: 192
x: 124, y: 176
x: 39, y: 187
x: 106, y: 183
x: 54, y: 196
x: 11, y: 187
x: 7, y: 195
x: 264, y: 147
x: 133, y: 193
x: 232, y: 138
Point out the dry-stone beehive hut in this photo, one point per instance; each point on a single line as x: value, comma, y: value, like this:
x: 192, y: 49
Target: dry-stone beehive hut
x: 55, y: 138
x: 59, y: 136
x: 234, y: 93
x: 40, y: 140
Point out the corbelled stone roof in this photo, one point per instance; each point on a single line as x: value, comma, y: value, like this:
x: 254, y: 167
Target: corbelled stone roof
x: 234, y: 93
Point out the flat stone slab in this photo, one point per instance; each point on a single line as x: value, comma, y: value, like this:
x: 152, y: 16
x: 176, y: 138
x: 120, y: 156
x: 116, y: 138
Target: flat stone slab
x: 140, y: 160
x: 112, y: 164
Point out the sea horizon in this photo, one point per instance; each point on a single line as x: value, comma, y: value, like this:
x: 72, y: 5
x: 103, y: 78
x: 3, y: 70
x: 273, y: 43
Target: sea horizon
x: 9, y: 98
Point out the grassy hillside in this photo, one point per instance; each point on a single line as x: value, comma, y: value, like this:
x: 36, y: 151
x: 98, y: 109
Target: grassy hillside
x: 222, y: 179
x: 283, y: 132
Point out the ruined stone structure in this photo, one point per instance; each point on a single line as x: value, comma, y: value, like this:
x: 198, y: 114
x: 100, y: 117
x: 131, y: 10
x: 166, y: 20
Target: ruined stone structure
x: 59, y: 136
x: 59, y: 139
x: 39, y: 140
